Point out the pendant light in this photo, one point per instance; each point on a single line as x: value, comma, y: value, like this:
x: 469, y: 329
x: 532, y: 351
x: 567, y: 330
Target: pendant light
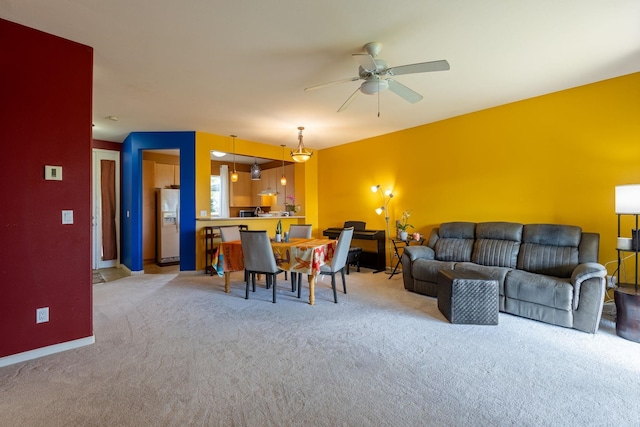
x: 255, y: 170
x: 234, y: 174
x: 301, y: 154
x: 283, y: 180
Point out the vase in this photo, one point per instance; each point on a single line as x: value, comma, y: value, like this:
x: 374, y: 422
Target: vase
x: 403, y: 235
x: 278, y: 238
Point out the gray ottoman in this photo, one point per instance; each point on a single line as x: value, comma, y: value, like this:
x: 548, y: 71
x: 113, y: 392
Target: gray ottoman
x: 468, y: 298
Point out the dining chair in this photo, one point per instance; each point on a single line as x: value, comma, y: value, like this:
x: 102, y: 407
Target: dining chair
x: 229, y: 233
x: 258, y: 259
x: 339, y: 260
x: 298, y: 231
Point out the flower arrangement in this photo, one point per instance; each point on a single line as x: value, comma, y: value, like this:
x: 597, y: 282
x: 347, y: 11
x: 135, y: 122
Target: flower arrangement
x: 290, y: 203
x: 403, y: 225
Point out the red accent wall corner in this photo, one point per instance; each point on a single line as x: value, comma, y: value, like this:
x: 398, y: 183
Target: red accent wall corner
x: 46, y: 120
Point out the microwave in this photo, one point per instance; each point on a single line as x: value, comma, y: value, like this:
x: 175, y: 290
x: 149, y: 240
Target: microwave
x: 247, y: 213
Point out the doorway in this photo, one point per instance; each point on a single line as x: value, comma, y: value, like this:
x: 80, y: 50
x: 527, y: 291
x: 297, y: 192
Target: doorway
x: 106, y: 208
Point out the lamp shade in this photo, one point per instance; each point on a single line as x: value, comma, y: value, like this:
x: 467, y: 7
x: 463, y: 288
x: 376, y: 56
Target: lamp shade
x: 628, y: 199
x: 301, y: 154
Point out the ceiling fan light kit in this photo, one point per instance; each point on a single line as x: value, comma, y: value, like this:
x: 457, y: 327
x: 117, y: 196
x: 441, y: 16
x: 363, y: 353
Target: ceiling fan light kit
x: 373, y: 86
x: 376, y: 74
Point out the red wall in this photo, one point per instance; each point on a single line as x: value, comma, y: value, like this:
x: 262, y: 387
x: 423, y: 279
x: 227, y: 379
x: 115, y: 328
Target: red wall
x: 45, y: 119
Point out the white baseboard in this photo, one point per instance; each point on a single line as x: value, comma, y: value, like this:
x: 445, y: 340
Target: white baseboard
x: 46, y: 351
x: 129, y: 272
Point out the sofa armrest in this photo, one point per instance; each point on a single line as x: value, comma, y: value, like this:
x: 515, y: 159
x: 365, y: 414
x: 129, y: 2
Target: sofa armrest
x: 582, y: 273
x: 418, y: 252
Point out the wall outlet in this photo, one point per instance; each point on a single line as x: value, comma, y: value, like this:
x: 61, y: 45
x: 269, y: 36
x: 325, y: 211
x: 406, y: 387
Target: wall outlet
x: 42, y: 315
x: 611, y: 281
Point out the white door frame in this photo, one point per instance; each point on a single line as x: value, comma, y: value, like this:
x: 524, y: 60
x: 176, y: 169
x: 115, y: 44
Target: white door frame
x: 98, y: 155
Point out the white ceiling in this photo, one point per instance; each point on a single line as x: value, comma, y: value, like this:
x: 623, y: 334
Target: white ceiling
x: 240, y: 67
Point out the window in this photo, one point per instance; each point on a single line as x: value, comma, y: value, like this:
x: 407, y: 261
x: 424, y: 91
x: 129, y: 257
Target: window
x: 216, y: 196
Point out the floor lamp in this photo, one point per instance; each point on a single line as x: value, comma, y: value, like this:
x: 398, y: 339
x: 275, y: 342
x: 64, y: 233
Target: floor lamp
x: 386, y: 198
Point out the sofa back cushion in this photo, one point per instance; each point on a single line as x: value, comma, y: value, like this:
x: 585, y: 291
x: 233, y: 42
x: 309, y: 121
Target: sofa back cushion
x: 549, y: 249
x: 497, y: 244
x: 455, y: 241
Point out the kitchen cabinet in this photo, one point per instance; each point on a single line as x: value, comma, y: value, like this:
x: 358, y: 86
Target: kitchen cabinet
x: 240, y: 191
x: 245, y: 192
x: 266, y: 181
x: 166, y: 175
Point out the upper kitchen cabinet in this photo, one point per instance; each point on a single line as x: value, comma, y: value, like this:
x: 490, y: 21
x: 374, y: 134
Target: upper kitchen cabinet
x: 240, y: 191
x: 269, y: 183
x: 166, y: 175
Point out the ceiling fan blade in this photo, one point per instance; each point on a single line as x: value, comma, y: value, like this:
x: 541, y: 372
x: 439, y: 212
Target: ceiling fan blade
x: 349, y: 101
x: 365, y: 60
x: 320, y: 86
x: 403, y: 91
x: 421, y: 67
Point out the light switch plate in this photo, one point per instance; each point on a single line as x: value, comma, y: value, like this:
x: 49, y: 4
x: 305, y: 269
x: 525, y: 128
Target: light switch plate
x: 53, y: 173
x: 67, y: 217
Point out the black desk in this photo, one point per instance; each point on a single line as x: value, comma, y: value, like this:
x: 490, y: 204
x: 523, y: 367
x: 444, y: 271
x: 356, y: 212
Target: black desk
x: 397, y: 245
x: 375, y: 260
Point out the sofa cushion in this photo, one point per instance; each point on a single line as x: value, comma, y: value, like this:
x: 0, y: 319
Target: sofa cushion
x: 494, y: 273
x: 539, y: 289
x: 427, y: 270
x: 455, y: 241
x: 549, y: 249
x: 497, y: 244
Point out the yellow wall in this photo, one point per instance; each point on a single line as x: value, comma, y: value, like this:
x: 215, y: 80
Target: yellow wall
x: 550, y: 159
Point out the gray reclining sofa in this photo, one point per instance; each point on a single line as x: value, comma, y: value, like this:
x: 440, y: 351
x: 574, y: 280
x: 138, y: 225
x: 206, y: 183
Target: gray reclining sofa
x: 545, y: 272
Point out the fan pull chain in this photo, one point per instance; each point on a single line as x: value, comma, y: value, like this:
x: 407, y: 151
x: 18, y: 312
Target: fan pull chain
x: 378, y: 97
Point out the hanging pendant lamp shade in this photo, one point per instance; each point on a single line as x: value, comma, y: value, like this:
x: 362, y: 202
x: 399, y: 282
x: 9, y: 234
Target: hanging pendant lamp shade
x: 255, y: 170
x: 234, y: 174
x: 301, y: 154
x: 283, y: 180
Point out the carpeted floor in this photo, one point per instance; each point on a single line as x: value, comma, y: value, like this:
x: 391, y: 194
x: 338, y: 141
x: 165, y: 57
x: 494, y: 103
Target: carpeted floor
x: 175, y: 350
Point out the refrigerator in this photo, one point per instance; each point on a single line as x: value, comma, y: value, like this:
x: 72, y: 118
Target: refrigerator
x: 167, y: 226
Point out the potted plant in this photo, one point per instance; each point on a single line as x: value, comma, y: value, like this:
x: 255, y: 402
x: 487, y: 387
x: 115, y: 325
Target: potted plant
x: 404, y: 225
x: 290, y: 203
x: 279, y: 231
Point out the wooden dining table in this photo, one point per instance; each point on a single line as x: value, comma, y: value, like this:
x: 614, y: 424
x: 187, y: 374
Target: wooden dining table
x: 296, y: 256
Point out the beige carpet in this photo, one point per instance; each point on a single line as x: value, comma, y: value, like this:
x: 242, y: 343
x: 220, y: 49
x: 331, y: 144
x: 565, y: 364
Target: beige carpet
x: 175, y: 350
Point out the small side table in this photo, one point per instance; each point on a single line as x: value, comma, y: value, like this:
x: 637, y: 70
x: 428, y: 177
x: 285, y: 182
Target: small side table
x: 468, y: 297
x: 400, y: 244
x: 627, y: 313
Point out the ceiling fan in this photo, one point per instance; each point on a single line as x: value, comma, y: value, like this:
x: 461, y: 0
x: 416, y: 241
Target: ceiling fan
x: 377, y: 76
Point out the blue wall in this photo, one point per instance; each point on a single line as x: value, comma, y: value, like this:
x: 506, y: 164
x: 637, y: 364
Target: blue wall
x: 132, y: 149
